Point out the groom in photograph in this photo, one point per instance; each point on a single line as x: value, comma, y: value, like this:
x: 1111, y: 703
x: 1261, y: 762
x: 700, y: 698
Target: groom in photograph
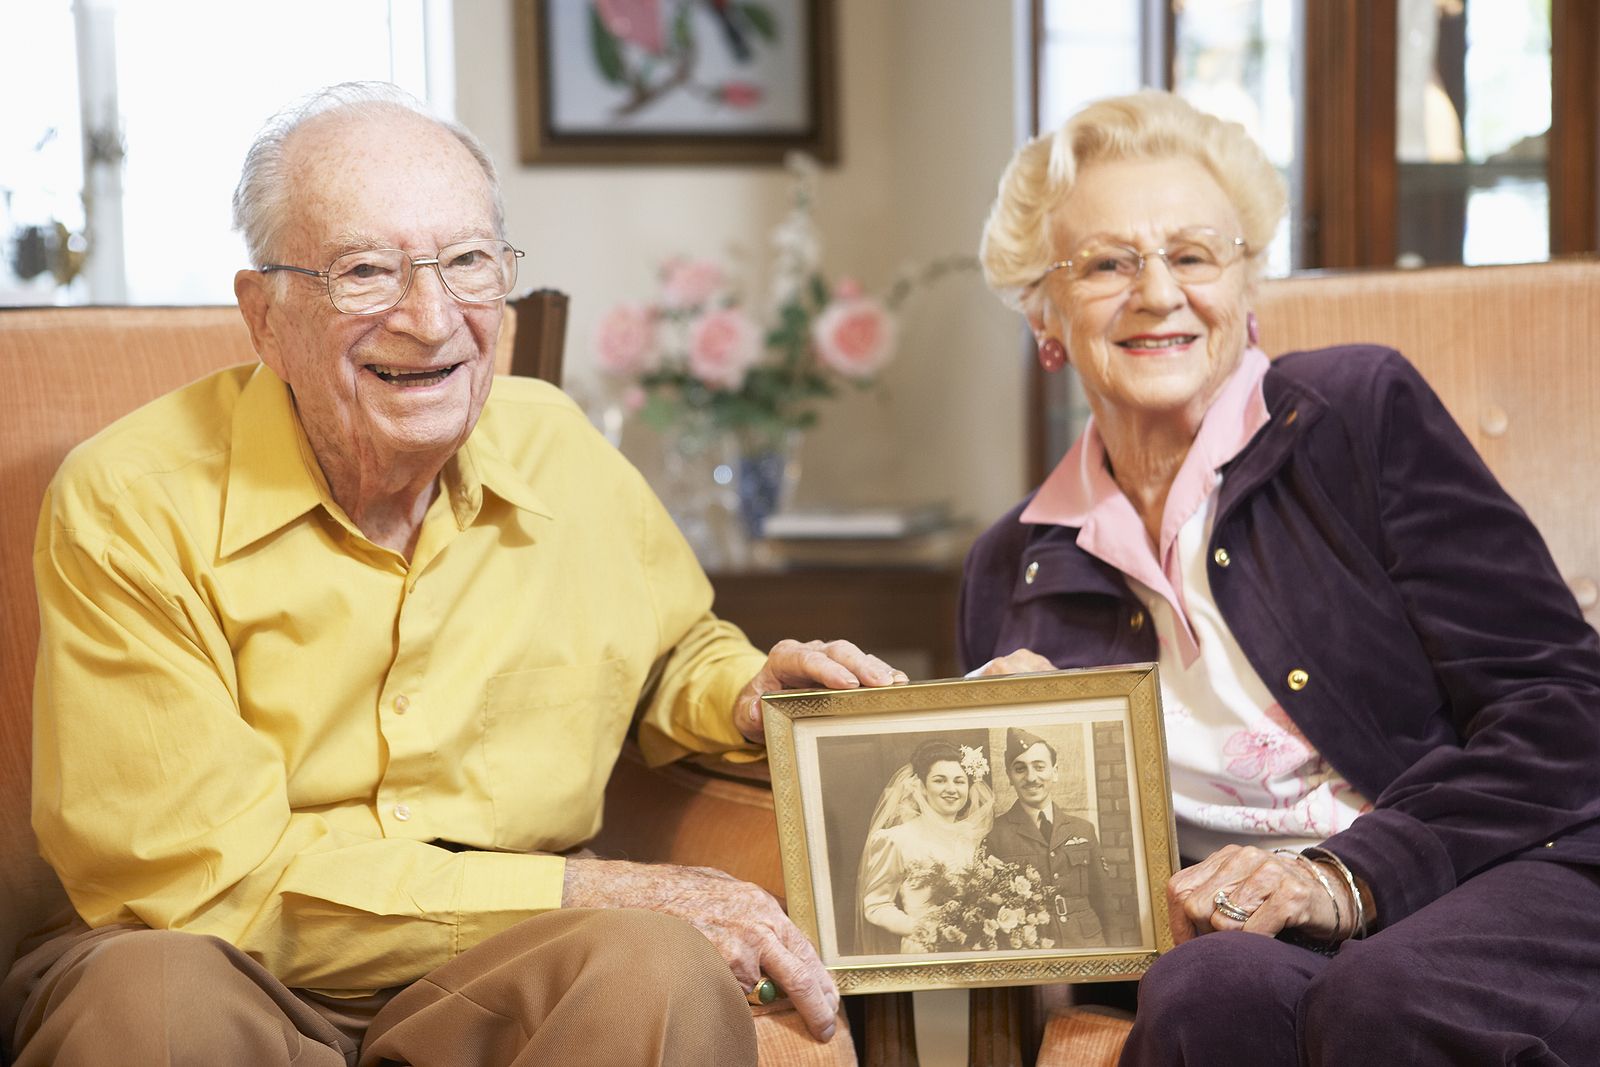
x: 1063, y: 848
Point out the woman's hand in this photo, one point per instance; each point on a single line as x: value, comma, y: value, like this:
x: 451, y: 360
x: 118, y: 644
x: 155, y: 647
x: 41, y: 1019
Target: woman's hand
x: 814, y: 664
x: 1280, y: 892
x: 1022, y: 661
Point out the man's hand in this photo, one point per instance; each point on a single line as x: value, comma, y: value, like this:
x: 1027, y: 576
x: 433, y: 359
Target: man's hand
x: 813, y: 665
x: 743, y: 921
x: 1022, y: 661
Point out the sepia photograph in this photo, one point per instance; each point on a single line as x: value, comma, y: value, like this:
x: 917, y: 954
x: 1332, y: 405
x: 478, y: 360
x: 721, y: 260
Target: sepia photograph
x: 978, y: 831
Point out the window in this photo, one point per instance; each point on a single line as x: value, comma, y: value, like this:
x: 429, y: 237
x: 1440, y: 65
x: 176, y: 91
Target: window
x: 167, y: 98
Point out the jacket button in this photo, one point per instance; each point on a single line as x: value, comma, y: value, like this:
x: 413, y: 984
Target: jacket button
x: 1298, y: 679
x: 1136, y: 621
x: 402, y: 812
x: 1222, y: 557
x: 1031, y: 573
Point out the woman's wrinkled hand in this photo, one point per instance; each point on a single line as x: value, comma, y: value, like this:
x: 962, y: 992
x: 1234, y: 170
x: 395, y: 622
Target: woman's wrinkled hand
x: 1022, y: 661
x: 1280, y: 892
x: 743, y: 921
x: 809, y: 665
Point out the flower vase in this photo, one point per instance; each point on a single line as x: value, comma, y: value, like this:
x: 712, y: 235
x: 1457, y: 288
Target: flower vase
x: 697, y: 469
x: 768, y: 471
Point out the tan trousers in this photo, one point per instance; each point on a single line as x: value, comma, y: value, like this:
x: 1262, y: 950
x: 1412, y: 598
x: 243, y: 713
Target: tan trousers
x: 569, y: 987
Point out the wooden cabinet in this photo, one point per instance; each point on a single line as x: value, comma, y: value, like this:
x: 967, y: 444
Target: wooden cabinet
x: 884, y: 609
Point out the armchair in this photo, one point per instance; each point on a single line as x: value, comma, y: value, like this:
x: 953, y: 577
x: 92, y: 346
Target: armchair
x: 73, y: 370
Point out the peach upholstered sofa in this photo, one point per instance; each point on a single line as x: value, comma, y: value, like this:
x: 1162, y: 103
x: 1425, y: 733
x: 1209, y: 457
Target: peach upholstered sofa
x: 1512, y: 350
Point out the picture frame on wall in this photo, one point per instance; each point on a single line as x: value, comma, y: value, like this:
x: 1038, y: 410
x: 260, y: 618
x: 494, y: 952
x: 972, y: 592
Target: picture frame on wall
x: 908, y: 822
x: 675, y: 81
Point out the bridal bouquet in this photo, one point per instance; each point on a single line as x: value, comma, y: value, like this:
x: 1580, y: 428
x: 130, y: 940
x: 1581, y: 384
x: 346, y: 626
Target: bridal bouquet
x: 989, y: 904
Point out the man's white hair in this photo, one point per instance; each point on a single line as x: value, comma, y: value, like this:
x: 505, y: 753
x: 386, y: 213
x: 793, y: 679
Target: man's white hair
x: 261, y: 201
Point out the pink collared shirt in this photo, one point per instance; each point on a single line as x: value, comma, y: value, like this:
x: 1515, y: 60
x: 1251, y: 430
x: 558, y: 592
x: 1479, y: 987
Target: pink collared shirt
x: 1081, y: 492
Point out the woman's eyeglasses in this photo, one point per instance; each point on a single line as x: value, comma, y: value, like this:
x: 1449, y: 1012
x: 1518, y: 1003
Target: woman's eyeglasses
x: 1193, y: 257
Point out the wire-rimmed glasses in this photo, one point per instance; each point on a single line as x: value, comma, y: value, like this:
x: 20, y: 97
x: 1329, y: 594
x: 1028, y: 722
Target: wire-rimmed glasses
x: 374, y: 280
x: 1193, y: 257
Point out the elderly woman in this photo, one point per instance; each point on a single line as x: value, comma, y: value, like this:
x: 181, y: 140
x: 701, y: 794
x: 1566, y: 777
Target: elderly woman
x: 1382, y: 703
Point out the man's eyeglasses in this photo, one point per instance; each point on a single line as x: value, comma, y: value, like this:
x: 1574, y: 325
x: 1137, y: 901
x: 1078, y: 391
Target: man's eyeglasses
x: 1193, y: 257
x: 376, y: 279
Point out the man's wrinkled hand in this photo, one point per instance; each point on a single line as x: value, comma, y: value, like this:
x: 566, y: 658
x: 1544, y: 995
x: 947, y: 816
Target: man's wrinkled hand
x: 743, y: 921
x: 811, y: 665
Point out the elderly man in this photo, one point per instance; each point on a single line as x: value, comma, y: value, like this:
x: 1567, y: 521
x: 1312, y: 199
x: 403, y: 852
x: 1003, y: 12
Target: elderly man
x: 1063, y: 848
x: 338, y: 652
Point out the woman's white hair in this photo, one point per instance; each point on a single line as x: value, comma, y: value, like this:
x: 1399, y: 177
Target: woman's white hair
x: 1152, y: 124
x: 261, y: 201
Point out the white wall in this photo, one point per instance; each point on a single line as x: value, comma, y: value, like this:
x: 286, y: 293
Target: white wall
x: 927, y: 119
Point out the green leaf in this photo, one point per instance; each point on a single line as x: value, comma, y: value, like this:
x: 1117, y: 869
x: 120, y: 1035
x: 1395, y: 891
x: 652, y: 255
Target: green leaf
x: 681, y: 38
x: 759, y: 18
x: 819, y: 292
x: 607, y: 52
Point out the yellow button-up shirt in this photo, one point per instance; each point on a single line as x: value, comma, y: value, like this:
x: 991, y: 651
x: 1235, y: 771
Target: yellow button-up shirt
x: 251, y: 721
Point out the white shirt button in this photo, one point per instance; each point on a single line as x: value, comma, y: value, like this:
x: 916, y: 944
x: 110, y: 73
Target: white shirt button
x: 402, y: 812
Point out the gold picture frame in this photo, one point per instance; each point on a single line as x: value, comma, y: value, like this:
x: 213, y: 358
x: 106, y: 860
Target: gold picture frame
x: 841, y: 771
x: 746, y: 82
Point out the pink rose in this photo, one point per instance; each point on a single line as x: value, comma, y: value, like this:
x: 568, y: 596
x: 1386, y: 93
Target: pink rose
x: 635, y: 21
x: 847, y: 288
x: 855, y: 337
x: 634, y: 399
x: 687, y: 283
x: 625, y: 340
x: 740, y: 94
x: 722, y: 347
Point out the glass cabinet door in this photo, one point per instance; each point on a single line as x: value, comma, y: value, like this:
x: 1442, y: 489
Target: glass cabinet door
x: 1472, y: 131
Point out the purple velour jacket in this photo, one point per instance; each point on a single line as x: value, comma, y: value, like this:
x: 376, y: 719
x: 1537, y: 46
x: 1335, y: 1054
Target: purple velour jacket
x: 1451, y: 677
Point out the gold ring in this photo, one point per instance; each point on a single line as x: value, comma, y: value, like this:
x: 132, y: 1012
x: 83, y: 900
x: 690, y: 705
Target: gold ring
x: 764, y: 991
x: 1230, y: 909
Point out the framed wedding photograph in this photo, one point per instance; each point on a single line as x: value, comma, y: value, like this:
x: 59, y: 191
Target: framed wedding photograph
x: 1012, y: 830
x: 675, y: 81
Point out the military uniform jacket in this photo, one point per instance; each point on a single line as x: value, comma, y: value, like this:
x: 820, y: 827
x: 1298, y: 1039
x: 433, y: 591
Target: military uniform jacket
x: 1069, y: 862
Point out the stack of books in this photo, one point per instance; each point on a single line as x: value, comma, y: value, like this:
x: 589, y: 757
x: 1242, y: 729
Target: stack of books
x: 902, y: 536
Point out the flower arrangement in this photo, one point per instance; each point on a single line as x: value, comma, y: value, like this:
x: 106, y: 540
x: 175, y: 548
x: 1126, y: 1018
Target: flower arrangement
x: 700, y: 353
x: 989, y: 904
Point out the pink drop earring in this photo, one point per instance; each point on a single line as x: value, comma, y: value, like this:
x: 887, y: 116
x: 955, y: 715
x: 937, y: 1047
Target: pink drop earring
x: 1052, y: 355
x: 1252, y: 329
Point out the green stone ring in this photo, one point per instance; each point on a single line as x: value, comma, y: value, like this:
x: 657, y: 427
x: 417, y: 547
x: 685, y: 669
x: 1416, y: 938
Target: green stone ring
x: 763, y: 992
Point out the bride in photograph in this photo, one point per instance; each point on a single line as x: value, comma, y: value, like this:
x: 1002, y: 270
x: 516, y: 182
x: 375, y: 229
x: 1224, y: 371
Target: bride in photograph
x: 935, y: 810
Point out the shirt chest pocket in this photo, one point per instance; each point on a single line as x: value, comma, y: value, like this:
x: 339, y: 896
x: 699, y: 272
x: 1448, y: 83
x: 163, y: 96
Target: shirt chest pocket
x: 550, y: 737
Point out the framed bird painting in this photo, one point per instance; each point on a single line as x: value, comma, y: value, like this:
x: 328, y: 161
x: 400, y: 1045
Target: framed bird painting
x: 675, y: 81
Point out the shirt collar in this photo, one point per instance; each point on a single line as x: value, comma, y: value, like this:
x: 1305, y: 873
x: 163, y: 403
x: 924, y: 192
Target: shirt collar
x: 1081, y: 493
x: 1080, y: 484
x: 274, y: 477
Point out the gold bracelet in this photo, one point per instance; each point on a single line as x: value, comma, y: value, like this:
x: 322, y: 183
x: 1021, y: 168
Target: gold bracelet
x: 1327, y: 887
x: 1324, y: 856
